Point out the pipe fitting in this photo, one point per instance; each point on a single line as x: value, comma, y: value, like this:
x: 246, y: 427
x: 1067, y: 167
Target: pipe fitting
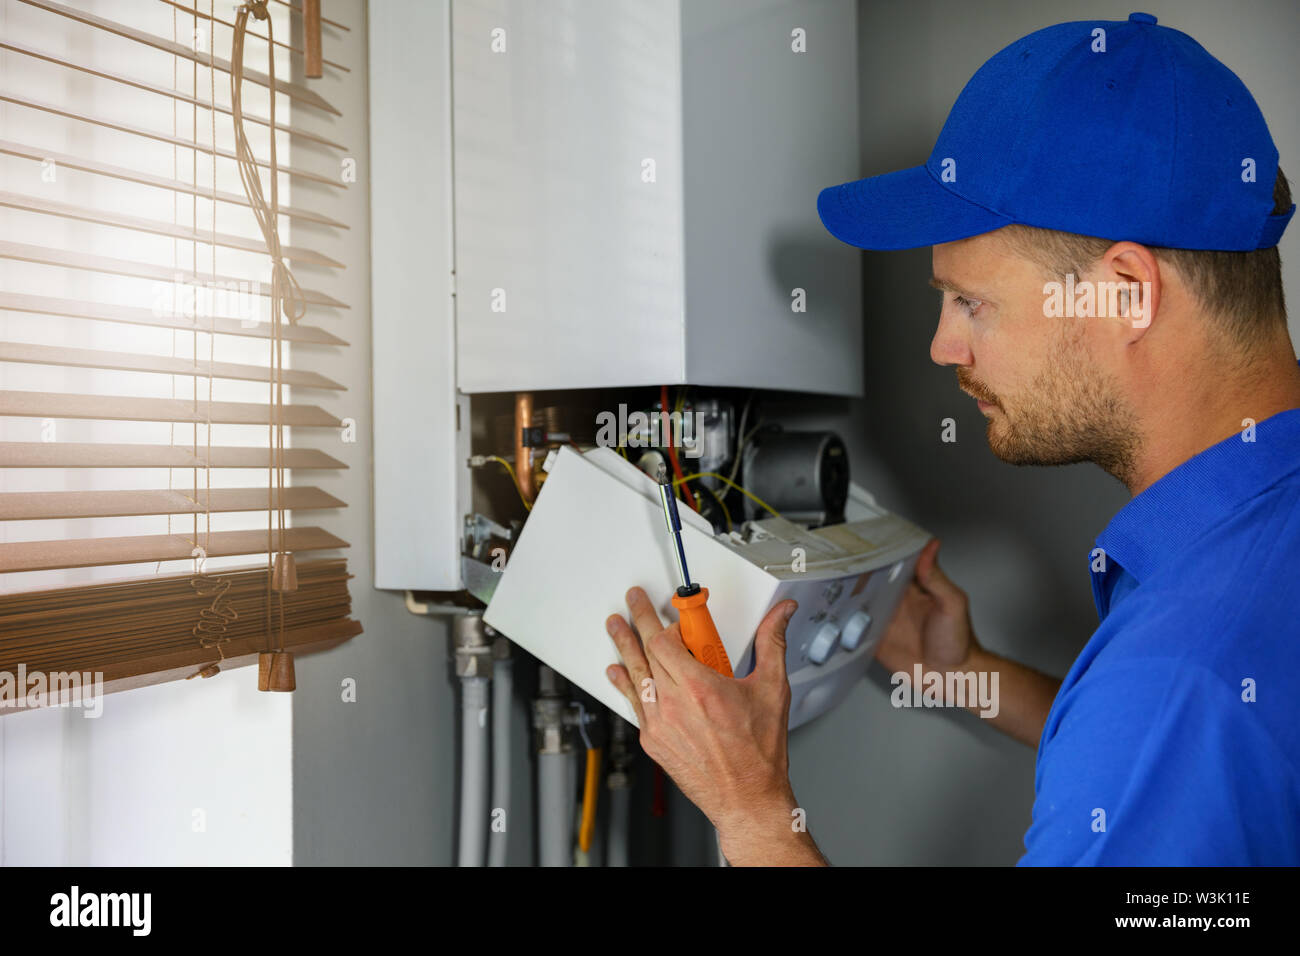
x: 620, y: 753
x: 549, y: 714
x: 472, y: 641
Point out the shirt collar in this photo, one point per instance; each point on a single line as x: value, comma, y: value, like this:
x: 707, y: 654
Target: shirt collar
x: 1207, y: 488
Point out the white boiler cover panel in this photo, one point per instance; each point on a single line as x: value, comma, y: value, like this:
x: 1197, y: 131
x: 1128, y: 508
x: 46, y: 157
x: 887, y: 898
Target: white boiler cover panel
x: 596, y: 529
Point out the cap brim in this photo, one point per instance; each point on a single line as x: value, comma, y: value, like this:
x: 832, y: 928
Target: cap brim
x: 902, y: 210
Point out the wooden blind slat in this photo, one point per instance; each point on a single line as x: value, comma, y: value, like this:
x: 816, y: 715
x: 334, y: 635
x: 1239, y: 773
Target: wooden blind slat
x: 142, y: 549
x: 166, y: 364
x: 115, y: 408
x: 135, y: 635
x: 174, y: 665
x: 64, y: 652
x: 49, y: 256
x: 159, y: 136
x: 102, y: 217
x: 175, y: 94
x: 16, y: 454
x: 135, y: 315
x: 46, y: 505
x: 292, y: 90
x: 38, y: 155
x: 141, y: 630
x: 95, y: 597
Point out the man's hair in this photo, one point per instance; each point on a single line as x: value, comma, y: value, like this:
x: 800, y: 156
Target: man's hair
x: 1241, y: 291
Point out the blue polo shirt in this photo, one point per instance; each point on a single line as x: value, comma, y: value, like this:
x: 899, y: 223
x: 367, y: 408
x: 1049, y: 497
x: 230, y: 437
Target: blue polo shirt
x: 1175, y: 738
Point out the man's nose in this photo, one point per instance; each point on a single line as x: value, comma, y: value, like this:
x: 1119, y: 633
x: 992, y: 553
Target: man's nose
x: 950, y: 345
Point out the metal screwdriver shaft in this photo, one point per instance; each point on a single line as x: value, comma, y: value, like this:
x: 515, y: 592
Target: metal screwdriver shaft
x: 674, y: 520
x: 699, y: 633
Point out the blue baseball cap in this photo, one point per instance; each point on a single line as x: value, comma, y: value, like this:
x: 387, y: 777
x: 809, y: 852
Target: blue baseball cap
x: 1116, y: 129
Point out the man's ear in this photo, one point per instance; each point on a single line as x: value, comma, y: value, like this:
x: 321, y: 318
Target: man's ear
x: 1136, y: 272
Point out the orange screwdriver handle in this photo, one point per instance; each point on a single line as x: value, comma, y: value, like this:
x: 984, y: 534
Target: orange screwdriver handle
x: 699, y: 633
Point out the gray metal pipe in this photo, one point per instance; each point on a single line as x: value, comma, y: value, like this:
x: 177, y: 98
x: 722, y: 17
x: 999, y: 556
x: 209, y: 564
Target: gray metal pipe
x: 554, y: 809
x: 502, y: 692
x: 619, y: 782
x: 474, y: 770
x: 620, y: 799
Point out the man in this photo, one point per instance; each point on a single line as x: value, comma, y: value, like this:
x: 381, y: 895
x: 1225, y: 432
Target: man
x: 1103, y: 204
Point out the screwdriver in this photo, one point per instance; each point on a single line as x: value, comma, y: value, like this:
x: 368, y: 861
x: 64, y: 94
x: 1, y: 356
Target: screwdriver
x: 699, y: 633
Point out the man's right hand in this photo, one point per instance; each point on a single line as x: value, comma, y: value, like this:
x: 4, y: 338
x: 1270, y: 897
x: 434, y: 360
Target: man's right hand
x: 932, y: 628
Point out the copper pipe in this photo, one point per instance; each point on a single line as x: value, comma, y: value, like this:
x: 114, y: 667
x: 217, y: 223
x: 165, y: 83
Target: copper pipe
x: 524, y: 455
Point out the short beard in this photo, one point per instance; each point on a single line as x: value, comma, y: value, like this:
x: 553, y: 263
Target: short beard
x: 1071, y: 413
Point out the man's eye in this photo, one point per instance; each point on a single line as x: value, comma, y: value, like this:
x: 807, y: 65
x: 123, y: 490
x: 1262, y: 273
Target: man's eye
x: 970, y: 305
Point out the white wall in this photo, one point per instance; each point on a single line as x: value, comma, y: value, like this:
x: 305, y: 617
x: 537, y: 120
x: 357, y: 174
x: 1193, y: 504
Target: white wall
x: 192, y: 773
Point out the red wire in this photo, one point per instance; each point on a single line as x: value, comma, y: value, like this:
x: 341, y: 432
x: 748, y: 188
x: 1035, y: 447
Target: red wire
x: 659, y: 806
x: 672, y: 452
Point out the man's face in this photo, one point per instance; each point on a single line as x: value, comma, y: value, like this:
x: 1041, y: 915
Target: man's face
x: 1049, y: 400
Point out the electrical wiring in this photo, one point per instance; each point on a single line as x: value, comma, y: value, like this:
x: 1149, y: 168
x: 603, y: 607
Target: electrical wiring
x: 740, y: 437
x: 725, y: 513
x: 679, y: 408
x: 678, y: 482
x: 623, y: 446
x: 513, y: 477
x: 723, y: 478
x: 688, y: 495
x: 668, y: 441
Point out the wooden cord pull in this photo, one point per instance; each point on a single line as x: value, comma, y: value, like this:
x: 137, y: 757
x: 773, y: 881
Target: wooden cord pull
x: 275, y: 671
x: 284, y: 572
x: 312, y: 54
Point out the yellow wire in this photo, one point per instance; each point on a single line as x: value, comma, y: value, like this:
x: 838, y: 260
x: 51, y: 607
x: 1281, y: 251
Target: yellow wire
x: 725, y: 513
x: 506, y: 465
x: 623, y: 446
x: 723, y: 478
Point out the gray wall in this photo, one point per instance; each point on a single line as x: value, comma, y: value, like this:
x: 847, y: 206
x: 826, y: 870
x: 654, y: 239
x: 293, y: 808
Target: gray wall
x: 885, y: 786
x: 372, y: 780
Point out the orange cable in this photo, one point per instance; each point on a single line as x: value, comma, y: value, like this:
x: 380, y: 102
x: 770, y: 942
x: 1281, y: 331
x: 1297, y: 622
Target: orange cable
x: 672, y: 452
x: 590, y: 791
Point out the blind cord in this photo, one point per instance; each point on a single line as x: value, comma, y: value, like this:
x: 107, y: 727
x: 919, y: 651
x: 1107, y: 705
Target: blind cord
x: 215, y: 619
x: 287, y: 302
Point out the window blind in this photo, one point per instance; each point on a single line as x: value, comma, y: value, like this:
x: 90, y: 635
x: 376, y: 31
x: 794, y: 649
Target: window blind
x: 140, y: 511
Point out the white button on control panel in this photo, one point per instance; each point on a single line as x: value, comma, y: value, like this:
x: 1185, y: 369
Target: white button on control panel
x: 855, y: 629
x: 823, y: 643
